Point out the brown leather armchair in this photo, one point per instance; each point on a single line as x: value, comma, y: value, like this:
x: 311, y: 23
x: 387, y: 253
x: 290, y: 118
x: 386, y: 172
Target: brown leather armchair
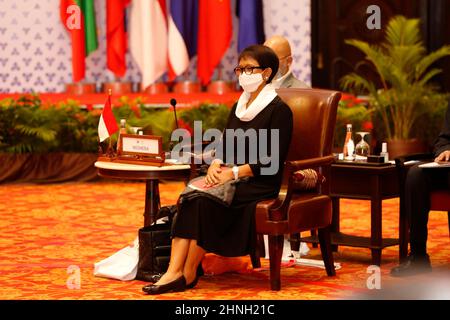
x: 314, y: 115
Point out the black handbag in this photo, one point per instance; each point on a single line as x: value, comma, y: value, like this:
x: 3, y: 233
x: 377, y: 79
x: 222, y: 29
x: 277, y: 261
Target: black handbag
x: 155, y: 245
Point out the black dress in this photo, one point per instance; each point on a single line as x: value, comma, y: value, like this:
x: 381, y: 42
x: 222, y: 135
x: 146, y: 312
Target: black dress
x: 230, y: 231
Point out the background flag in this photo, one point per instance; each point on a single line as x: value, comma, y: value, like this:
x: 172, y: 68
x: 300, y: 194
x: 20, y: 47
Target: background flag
x: 251, y: 23
x: 116, y: 46
x: 84, y: 39
x: 214, y: 35
x: 107, y: 124
x: 148, y: 38
x: 183, y: 29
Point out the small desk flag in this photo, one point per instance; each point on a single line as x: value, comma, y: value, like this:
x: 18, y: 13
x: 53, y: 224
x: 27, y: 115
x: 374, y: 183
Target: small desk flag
x: 107, y: 124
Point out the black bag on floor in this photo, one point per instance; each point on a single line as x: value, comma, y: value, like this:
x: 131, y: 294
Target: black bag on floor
x: 155, y: 245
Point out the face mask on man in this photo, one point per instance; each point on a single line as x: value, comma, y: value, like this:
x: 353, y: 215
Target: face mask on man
x: 250, y: 82
x: 282, y: 70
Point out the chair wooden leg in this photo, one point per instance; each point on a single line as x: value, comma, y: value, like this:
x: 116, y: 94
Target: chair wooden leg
x: 261, y: 246
x: 294, y: 240
x: 448, y: 214
x: 260, y: 251
x: 313, y: 234
x: 275, y: 254
x: 325, y: 248
x: 256, y: 259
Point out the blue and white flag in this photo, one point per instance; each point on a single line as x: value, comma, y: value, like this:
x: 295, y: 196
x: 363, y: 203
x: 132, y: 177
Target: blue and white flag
x: 183, y: 30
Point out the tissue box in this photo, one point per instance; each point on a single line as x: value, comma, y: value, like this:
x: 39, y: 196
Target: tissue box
x: 375, y: 159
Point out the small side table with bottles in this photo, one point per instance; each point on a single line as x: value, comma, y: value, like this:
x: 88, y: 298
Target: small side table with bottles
x: 353, y: 176
x: 362, y: 182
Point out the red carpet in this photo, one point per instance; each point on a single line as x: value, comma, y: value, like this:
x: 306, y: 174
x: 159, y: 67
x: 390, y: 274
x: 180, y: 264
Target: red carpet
x: 45, y: 229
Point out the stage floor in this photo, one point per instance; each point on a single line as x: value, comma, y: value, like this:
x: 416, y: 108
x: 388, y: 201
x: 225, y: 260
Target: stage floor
x: 46, y: 229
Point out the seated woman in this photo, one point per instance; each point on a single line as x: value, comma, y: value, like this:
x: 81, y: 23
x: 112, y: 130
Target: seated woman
x: 204, y: 225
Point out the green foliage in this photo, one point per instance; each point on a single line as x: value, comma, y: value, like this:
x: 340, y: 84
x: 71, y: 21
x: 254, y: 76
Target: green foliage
x: 403, y: 67
x: 212, y: 116
x: 27, y: 125
x: 351, y: 111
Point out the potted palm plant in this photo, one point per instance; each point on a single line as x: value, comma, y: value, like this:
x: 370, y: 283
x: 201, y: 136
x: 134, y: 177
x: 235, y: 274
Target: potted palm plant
x: 403, y: 92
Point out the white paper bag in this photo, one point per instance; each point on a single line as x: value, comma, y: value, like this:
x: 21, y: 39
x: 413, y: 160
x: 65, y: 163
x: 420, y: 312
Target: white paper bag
x: 287, y: 252
x: 121, y: 266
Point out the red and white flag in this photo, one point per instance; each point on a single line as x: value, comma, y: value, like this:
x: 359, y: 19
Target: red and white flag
x: 107, y: 124
x: 148, y: 38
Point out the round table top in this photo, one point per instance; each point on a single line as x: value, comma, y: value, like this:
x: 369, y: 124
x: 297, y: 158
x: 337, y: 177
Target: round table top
x: 137, y: 167
x: 142, y: 172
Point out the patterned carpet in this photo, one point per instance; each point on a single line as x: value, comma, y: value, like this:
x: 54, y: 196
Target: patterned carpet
x: 46, y: 229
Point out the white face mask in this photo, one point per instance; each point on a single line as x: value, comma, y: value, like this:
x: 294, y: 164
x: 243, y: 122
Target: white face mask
x: 250, y: 82
x: 282, y: 70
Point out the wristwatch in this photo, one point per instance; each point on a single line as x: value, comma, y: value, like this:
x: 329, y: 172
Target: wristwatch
x: 235, y: 172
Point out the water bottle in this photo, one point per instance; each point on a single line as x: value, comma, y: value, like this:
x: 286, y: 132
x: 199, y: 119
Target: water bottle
x: 349, y: 145
x: 123, y: 130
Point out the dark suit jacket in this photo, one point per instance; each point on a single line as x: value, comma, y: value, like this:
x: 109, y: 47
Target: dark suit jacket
x: 443, y: 141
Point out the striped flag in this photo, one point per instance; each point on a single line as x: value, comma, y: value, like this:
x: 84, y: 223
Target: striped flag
x: 183, y: 29
x: 116, y: 46
x: 107, y: 125
x: 148, y: 38
x: 78, y: 17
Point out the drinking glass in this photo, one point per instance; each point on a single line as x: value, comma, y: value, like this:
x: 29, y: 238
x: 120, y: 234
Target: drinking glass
x: 362, y: 149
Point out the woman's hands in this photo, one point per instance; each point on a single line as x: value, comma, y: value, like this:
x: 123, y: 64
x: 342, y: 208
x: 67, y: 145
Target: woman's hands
x: 444, y: 156
x: 216, y: 175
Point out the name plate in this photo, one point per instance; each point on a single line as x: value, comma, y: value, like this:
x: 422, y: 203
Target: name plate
x: 141, y: 147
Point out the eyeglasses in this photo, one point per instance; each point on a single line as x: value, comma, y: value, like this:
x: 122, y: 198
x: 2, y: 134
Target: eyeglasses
x: 284, y: 57
x: 247, y: 70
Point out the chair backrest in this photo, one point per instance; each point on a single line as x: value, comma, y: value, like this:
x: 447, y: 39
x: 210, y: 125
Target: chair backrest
x: 314, y: 115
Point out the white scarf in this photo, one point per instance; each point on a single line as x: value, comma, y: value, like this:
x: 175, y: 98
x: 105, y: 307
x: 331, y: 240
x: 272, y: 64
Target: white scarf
x: 263, y: 99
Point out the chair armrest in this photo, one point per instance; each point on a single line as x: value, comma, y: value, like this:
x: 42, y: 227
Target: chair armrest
x: 309, y: 163
x: 280, y: 212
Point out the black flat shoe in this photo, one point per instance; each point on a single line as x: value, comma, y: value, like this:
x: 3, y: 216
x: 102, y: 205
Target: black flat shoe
x: 200, y: 273
x: 177, y: 285
x: 193, y: 283
x: 412, y: 266
x: 147, y: 277
x: 156, y: 277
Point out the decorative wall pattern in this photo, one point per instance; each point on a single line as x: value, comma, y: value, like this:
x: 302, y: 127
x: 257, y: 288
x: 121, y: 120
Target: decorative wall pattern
x: 35, y: 52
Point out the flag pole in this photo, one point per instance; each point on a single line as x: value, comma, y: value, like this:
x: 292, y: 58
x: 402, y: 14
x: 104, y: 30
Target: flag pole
x: 110, y: 138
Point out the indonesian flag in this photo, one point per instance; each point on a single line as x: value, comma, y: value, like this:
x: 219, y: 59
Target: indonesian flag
x: 107, y: 124
x: 148, y: 38
x: 78, y: 17
x: 183, y: 29
x: 116, y: 46
x: 214, y: 36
